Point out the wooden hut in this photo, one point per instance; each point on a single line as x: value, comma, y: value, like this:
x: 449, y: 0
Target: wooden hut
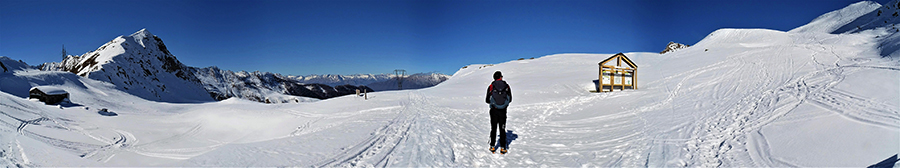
x: 616, y: 75
x: 48, y: 94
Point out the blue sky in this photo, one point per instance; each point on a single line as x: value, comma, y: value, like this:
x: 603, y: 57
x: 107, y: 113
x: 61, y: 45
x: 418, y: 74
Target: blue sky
x: 367, y: 36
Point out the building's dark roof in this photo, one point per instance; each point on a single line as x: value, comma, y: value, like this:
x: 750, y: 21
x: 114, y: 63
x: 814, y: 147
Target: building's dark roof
x: 49, y: 90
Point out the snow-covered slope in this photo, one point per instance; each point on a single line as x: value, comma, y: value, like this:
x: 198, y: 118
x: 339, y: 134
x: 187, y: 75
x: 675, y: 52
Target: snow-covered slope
x: 866, y: 16
x: 755, y: 98
x: 11, y: 65
x: 139, y: 64
x: 838, y: 19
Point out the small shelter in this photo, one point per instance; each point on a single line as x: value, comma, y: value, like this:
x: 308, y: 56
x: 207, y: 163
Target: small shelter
x: 615, y: 75
x: 48, y: 94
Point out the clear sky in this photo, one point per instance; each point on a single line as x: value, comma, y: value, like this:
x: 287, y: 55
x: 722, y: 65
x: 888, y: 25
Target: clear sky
x: 301, y: 37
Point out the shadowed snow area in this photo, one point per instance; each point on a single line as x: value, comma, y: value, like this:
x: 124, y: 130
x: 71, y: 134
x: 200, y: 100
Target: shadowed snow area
x: 738, y: 98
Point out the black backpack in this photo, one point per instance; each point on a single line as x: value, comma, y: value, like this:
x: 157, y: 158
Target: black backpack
x: 499, y: 95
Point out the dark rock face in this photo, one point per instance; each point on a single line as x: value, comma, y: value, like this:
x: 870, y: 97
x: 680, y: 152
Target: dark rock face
x: 672, y: 46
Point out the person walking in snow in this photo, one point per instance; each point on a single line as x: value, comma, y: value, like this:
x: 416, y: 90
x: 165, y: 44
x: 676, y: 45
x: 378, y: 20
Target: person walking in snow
x: 498, y: 96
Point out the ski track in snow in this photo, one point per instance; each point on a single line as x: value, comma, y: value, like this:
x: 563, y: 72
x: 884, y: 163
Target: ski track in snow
x: 724, y: 131
x: 425, y: 133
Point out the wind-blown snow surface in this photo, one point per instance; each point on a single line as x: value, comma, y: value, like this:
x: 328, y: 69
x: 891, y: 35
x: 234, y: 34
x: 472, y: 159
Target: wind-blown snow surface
x: 756, y: 98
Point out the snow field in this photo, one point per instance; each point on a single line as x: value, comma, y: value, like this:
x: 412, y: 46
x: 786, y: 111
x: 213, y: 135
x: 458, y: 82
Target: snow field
x: 738, y: 98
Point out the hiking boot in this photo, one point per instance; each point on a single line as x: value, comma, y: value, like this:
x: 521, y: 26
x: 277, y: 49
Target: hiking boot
x: 493, y: 150
x: 502, y: 150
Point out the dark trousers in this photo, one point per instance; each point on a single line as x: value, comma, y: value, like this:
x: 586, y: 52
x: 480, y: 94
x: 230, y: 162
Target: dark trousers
x: 498, y: 119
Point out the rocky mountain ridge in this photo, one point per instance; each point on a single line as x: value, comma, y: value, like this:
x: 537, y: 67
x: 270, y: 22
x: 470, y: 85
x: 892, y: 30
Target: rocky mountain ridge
x: 140, y: 64
x: 266, y: 86
x: 378, y: 82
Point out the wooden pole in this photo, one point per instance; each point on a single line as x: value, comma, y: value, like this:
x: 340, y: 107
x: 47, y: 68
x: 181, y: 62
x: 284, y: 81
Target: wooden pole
x: 603, y: 83
x: 601, y: 80
x: 619, y: 61
x: 622, y: 79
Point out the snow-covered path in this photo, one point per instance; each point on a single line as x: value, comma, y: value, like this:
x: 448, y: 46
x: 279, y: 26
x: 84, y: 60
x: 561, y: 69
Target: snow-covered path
x: 433, y: 133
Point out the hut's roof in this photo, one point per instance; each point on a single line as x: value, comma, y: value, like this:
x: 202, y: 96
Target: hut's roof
x: 626, y: 60
x: 49, y: 90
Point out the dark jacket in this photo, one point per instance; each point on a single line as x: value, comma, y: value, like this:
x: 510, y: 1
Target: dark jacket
x: 487, y: 99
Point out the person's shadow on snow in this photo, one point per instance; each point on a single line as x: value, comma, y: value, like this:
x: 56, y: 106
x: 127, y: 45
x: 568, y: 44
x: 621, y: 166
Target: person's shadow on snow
x: 889, y: 162
x: 510, y: 136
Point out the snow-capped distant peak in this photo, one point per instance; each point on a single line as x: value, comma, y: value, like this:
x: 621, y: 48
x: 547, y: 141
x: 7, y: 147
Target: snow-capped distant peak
x: 672, y: 46
x: 142, y: 35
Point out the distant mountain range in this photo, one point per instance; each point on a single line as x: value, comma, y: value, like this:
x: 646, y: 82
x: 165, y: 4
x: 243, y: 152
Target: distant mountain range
x: 378, y: 82
x: 141, y: 65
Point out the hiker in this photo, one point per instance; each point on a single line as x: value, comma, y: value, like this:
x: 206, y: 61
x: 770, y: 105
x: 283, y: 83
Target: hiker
x: 498, y: 96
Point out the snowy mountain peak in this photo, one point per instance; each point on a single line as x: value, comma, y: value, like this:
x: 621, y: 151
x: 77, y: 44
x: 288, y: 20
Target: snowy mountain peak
x: 139, y: 64
x: 149, y: 41
x: 143, y: 33
x: 672, y: 46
